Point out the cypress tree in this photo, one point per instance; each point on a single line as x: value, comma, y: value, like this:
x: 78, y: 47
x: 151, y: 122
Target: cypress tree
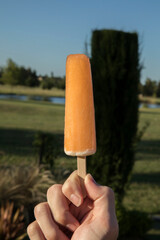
x: 116, y: 73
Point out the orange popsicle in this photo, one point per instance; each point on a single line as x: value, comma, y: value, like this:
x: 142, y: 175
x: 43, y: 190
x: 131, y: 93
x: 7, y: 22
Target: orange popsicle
x: 79, y: 136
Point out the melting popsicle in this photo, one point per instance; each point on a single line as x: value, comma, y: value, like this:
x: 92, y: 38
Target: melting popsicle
x: 79, y: 136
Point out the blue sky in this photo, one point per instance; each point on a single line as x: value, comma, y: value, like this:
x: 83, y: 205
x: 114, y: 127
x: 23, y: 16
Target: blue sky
x: 40, y: 34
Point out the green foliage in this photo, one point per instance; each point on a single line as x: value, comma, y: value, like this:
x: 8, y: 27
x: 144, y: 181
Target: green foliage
x: 50, y: 82
x: 47, y: 83
x: 116, y: 70
x: 47, y: 148
x: 149, y: 88
x: 1, y: 72
x: 15, y: 75
x: 10, y: 73
x: 158, y: 90
x: 140, y: 88
x: 60, y: 82
x: 132, y: 224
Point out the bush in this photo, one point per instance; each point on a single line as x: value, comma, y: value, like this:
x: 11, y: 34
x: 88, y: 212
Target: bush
x: 11, y: 222
x: 115, y: 70
x: 24, y: 185
x: 47, y: 148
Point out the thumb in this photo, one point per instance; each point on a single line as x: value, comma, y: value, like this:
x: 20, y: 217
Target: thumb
x: 94, y: 191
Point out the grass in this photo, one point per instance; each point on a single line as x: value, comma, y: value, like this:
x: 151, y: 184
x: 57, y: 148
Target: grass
x: 36, y: 91
x: 19, y: 121
x: 144, y: 191
x: 32, y: 116
x: 149, y: 99
x: 145, y: 180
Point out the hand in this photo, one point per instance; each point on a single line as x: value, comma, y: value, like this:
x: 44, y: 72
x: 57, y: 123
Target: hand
x: 75, y: 211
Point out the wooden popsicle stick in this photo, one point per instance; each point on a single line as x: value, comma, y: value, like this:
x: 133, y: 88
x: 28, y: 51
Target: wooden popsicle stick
x: 81, y: 166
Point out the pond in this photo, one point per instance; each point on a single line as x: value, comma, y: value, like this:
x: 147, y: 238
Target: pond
x: 149, y: 105
x: 58, y: 100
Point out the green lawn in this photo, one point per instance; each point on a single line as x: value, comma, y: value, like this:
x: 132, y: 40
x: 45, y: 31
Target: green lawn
x: 19, y: 121
x: 35, y: 91
x: 144, y: 191
x: 145, y: 185
x: 149, y: 99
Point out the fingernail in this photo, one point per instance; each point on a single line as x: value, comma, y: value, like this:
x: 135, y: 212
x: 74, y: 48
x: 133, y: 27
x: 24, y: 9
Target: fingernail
x: 75, y: 200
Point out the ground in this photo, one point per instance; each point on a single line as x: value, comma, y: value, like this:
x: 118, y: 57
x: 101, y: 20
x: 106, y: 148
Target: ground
x: 19, y: 121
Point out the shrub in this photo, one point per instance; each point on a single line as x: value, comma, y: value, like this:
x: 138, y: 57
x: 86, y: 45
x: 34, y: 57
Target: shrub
x: 24, y: 185
x: 11, y: 222
x: 47, y: 148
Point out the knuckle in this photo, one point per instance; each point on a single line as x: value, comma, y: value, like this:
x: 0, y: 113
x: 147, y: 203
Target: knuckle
x: 53, y: 190
x: 61, y: 217
x: 108, y: 191
x: 52, y: 234
x: 32, y: 228
x: 40, y: 209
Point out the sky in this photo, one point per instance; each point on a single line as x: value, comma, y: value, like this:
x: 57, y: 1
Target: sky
x: 41, y: 33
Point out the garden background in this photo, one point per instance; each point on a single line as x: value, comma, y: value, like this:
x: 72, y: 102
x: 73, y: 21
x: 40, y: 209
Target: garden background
x: 31, y: 139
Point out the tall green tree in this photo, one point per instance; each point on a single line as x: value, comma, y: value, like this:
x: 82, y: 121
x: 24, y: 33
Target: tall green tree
x: 116, y: 72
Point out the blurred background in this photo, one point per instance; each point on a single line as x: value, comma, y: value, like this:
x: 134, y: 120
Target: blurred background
x: 121, y: 38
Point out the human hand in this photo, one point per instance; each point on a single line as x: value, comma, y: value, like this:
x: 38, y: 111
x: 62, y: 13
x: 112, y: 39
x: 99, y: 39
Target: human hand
x: 72, y: 214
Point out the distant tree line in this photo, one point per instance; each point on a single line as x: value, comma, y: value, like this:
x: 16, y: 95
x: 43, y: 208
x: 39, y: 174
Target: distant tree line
x: 14, y: 74
x: 150, y: 88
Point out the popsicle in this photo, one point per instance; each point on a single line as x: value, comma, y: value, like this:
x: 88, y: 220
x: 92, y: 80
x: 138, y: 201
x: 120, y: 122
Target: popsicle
x: 79, y: 133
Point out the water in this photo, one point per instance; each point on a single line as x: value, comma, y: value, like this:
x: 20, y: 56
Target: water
x: 13, y: 96
x: 57, y: 100
x: 149, y: 105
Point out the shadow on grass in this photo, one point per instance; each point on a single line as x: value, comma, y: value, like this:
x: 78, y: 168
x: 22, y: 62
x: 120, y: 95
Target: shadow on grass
x: 152, y: 178
x: 19, y: 142
x: 153, y: 237
x: 150, y: 112
x: 154, y: 233
x: 148, y: 147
